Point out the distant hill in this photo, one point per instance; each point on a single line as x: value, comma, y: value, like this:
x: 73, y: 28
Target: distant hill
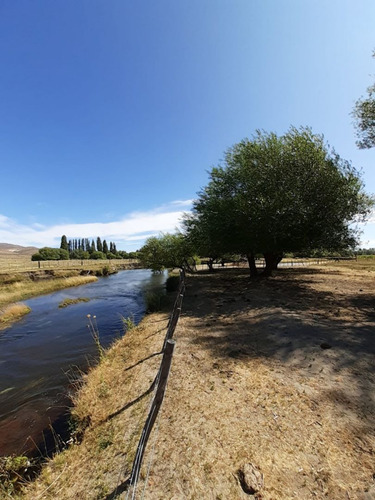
x: 9, y: 249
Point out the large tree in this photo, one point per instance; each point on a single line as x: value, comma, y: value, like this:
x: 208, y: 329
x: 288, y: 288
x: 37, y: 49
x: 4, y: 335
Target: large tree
x: 364, y: 114
x: 166, y: 251
x: 280, y: 194
x: 64, y: 243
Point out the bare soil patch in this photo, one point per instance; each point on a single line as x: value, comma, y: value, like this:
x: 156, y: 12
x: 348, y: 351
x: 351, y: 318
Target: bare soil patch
x: 271, y: 396
x: 276, y: 373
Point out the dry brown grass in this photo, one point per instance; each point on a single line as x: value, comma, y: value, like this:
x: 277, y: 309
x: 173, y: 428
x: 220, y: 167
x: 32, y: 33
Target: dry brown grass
x: 21, y: 290
x: 11, y: 313
x: 114, y: 401
x: 249, y: 383
x: 21, y: 263
x: 71, y: 302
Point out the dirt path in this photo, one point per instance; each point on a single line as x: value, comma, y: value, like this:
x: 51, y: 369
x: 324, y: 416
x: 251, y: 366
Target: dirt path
x: 278, y: 373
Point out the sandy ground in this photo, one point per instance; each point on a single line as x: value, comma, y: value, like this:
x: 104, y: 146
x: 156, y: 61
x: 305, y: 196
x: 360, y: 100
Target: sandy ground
x: 278, y: 373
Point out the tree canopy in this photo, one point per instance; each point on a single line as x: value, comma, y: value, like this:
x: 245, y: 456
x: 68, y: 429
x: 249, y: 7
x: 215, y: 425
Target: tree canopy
x: 364, y: 115
x: 166, y: 251
x: 276, y: 194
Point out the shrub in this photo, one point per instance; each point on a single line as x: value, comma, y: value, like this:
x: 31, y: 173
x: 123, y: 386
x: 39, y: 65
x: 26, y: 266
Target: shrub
x: 172, y: 283
x: 154, y: 301
x: 98, y: 255
x: 48, y: 253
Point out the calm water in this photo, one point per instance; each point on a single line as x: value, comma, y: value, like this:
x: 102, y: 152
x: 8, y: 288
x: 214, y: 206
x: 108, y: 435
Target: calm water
x: 39, y: 353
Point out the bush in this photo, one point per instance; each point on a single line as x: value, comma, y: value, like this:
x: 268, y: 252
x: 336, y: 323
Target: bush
x: 98, y: 255
x: 154, y: 301
x: 172, y: 283
x: 64, y: 254
x: 48, y: 253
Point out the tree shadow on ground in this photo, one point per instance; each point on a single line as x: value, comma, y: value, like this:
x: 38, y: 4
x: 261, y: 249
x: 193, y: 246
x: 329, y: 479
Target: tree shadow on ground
x: 324, y: 333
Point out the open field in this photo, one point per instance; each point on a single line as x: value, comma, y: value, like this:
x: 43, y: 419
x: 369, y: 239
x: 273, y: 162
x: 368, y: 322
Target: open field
x: 21, y: 263
x: 278, y: 373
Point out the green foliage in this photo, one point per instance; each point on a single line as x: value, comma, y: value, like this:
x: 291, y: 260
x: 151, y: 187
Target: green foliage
x: 64, y: 243
x: 128, y: 323
x: 80, y: 254
x: 364, y: 115
x: 366, y: 251
x: 99, y: 245
x: 48, y: 253
x: 98, y: 255
x: 105, y: 247
x: 166, y: 251
x: 13, y: 471
x: 111, y: 256
x: 278, y: 194
x: 172, y: 283
x: 154, y: 301
x: 94, y: 330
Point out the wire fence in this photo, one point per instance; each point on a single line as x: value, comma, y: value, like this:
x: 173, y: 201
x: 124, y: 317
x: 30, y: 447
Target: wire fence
x: 8, y: 265
x: 160, y: 384
x: 260, y: 263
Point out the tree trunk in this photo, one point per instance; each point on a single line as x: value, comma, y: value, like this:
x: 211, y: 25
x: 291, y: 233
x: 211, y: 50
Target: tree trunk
x: 252, y: 266
x: 272, y: 261
x: 210, y: 264
x: 186, y: 267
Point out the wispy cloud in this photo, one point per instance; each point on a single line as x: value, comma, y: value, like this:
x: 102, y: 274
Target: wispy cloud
x: 133, y: 227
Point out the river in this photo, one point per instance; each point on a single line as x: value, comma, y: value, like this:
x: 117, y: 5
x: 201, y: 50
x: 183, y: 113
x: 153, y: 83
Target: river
x: 39, y: 355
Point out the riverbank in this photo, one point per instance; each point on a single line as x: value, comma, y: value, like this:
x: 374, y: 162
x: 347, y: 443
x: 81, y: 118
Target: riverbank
x: 109, y: 411
x: 18, y: 287
x: 276, y: 373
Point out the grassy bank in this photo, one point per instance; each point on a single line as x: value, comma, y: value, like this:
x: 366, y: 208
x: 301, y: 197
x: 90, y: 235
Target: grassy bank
x: 110, y: 409
x: 11, y: 313
x: 25, y: 287
x: 17, y: 287
x: 276, y: 373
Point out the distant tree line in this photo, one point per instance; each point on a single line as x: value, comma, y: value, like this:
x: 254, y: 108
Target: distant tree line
x: 365, y: 251
x: 83, y: 249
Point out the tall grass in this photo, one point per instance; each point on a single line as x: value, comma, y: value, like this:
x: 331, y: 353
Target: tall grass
x: 21, y: 290
x: 94, y: 330
x: 11, y: 313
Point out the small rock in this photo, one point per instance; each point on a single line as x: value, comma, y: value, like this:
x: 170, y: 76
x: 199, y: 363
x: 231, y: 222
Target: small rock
x: 251, y: 479
x: 324, y: 345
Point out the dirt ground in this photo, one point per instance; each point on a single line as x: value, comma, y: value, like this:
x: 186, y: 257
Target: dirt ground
x: 278, y: 373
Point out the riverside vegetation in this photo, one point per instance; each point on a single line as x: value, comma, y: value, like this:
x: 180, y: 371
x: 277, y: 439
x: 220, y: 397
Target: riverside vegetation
x: 250, y: 384
x: 18, y: 287
x: 23, y: 284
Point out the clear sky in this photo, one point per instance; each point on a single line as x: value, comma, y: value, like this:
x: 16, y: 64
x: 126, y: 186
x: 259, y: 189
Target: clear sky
x: 112, y: 111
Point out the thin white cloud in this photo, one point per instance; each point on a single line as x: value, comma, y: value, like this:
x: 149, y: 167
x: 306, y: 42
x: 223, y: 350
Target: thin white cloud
x: 136, y: 226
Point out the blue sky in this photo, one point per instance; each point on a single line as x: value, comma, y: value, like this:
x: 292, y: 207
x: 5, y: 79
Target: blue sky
x: 112, y: 111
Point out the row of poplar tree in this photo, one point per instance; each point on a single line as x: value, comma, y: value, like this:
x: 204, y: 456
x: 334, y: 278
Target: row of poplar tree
x: 84, y: 245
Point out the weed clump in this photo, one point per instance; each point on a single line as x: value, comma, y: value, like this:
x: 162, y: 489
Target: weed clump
x: 93, y: 327
x: 128, y: 323
x: 69, y: 302
x: 13, y: 312
x: 13, y: 472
